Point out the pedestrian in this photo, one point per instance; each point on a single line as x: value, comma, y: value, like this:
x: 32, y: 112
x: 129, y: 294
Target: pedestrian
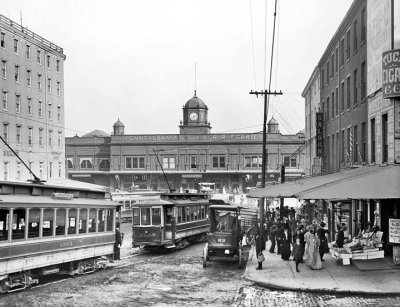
x: 259, y: 251
x: 297, y: 253
x: 300, y: 235
x: 313, y: 258
x: 285, y: 241
x: 272, y: 234
x: 340, y: 237
x: 321, y: 233
x: 278, y: 236
x: 117, y: 243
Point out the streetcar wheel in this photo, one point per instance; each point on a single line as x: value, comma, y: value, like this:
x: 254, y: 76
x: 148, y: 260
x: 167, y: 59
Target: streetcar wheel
x: 205, y: 255
x: 240, y: 258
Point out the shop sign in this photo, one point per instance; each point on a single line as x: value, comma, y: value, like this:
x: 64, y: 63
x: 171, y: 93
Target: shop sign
x: 319, y: 134
x: 394, y: 230
x: 391, y: 73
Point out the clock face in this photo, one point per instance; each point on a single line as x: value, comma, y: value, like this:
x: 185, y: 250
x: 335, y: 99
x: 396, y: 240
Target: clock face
x: 193, y: 116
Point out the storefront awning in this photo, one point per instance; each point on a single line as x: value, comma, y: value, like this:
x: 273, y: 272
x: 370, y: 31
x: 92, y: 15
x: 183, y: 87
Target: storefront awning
x: 365, y: 182
x: 384, y: 183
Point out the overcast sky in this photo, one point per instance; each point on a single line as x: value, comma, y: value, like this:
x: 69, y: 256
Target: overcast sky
x: 135, y: 60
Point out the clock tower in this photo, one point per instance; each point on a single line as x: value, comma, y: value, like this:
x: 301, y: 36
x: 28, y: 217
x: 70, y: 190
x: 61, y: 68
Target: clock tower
x: 195, y: 117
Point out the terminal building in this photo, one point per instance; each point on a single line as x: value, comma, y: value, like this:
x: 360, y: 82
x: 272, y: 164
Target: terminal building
x: 230, y: 160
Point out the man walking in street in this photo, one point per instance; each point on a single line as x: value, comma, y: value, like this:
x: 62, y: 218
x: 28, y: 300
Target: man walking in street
x: 117, y: 243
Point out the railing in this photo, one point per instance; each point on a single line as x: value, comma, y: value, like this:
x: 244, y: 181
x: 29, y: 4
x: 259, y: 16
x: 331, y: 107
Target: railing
x: 30, y: 33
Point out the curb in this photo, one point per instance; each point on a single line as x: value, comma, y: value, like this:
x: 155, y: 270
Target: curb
x: 275, y: 286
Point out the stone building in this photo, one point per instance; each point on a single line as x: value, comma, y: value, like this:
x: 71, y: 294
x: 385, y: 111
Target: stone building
x: 32, y: 104
x: 230, y: 160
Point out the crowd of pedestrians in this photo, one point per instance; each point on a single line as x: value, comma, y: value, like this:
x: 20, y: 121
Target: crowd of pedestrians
x: 292, y: 237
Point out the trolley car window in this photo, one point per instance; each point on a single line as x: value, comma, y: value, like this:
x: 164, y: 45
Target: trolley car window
x: 102, y: 220
x: 156, y: 216
x: 187, y: 219
x: 18, y: 226
x: 33, y: 223
x: 48, y: 222
x: 72, y: 214
x: 203, y: 212
x: 110, y: 219
x: 4, y: 214
x: 145, y: 216
x: 82, y: 220
x: 179, y: 214
x: 60, y: 222
x: 192, y: 213
x: 92, y: 220
x: 136, y: 216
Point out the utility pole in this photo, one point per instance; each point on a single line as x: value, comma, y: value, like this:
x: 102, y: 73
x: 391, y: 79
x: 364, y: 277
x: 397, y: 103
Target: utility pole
x: 264, y: 156
x: 282, y: 199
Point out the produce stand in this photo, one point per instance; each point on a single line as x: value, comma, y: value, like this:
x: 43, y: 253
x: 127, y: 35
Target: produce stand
x: 359, y: 249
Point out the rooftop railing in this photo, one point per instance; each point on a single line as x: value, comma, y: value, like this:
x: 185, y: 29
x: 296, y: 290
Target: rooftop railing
x: 30, y: 33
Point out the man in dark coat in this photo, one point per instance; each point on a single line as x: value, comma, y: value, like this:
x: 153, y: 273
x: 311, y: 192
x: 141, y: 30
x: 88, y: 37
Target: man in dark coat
x: 272, y: 234
x: 285, y: 241
x: 323, y: 240
x: 258, y: 249
x: 117, y: 243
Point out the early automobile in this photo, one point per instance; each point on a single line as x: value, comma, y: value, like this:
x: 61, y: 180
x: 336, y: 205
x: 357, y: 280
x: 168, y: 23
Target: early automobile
x: 224, y: 238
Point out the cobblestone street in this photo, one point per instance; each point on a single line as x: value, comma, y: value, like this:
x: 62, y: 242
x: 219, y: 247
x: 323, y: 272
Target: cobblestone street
x: 251, y: 296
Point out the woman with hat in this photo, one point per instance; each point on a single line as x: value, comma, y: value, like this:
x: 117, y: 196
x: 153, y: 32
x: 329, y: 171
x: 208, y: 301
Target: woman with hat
x: 321, y: 233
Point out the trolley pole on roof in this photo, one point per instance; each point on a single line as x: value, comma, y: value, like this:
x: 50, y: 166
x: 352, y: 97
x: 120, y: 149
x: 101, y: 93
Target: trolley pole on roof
x: 165, y: 176
x: 264, y: 155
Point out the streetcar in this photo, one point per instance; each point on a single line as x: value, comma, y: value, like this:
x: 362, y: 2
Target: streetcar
x: 171, y: 222
x: 47, y: 229
x: 127, y: 199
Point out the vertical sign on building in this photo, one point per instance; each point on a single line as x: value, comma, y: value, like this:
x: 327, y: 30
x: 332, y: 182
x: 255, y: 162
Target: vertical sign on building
x: 319, y: 134
x: 391, y: 73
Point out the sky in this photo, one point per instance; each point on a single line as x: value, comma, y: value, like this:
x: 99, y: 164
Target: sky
x: 140, y: 61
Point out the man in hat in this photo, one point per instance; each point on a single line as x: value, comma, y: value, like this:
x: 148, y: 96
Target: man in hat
x: 117, y: 243
x: 321, y: 233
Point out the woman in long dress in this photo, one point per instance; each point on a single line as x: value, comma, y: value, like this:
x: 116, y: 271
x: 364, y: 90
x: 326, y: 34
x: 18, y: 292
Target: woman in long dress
x: 307, y: 238
x: 313, y: 258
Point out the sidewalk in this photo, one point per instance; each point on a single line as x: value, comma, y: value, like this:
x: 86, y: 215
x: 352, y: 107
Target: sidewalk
x: 333, y: 278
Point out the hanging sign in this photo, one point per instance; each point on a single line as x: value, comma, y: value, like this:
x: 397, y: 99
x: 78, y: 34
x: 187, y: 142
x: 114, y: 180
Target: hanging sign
x: 391, y: 73
x: 319, y: 134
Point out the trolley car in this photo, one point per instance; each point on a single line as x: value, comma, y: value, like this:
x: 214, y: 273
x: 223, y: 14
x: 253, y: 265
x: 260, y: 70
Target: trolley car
x: 128, y: 199
x: 171, y: 222
x: 46, y: 229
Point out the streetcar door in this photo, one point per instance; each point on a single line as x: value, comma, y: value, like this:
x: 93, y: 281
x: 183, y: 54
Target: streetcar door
x: 169, y: 229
